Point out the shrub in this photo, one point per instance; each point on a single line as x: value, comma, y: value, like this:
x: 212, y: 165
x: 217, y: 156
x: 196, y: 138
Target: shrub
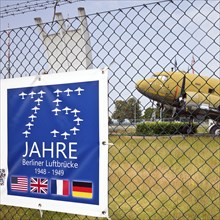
x: 165, y: 128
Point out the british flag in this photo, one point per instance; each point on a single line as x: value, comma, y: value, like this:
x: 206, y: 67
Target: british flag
x: 39, y: 185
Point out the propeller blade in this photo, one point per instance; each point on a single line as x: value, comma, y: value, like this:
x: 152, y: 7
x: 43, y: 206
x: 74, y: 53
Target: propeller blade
x: 183, y: 92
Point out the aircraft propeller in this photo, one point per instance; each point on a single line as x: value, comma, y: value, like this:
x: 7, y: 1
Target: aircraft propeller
x: 182, y: 92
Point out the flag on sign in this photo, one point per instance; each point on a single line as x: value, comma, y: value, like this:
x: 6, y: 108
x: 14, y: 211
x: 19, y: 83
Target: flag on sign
x: 60, y: 187
x: 82, y: 190
x: 19, y: 183
x: 39, y: 185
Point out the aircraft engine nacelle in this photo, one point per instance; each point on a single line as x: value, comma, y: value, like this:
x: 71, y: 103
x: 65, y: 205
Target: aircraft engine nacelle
x: 214, y: 129
x: 201, y: 100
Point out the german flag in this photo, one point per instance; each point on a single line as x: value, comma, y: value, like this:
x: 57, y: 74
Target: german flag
x: 82, y: 189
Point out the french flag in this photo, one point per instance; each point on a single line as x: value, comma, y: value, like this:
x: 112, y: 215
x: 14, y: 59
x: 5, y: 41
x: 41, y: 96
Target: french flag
x: 60, y: 187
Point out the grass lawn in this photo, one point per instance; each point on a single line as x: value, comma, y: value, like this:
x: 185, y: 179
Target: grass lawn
x: 173, y: 177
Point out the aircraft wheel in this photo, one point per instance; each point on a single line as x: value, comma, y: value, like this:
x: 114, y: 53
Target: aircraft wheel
x: 188, y: 129
x: 215, y: 129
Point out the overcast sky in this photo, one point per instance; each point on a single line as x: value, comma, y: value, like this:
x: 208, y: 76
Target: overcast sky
x: 68, y: 10
x: 141, y: 40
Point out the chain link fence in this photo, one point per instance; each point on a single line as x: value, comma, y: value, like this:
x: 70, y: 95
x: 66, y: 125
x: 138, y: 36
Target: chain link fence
x: 157, y: 173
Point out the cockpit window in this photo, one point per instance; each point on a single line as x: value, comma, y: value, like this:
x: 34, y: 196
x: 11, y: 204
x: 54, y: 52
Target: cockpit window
x: 163, y: 78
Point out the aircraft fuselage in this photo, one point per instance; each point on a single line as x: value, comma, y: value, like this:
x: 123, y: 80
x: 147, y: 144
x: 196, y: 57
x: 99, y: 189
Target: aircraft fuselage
x: 191, y: 93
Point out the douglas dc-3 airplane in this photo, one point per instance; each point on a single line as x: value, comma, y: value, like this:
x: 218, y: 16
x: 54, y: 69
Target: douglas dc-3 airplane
x: 187, y: 94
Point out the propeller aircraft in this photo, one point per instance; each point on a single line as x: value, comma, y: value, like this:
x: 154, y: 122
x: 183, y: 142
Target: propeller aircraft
x: 188, y: 94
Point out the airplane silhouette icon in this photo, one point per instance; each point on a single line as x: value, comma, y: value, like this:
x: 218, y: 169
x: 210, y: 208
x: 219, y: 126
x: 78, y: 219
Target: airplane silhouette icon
x: 22, y: 95
x: 54, y: 132
x: 41, y: 93
x: 58, y: 92
x: 57, y: 101
x: 35, y: 109
x: 65, y: 134
x: 29, y: 125
x: 26, y: 133
x: 79, y: 90
x: 56, y: 110
x: 75, y: 111
x: 66, y: 109
x: 32, y: 117
x: 32, y: 94
x: 78, y: 120
x: 74, y: 130
x: 38, y: 101
x: 68, y: 91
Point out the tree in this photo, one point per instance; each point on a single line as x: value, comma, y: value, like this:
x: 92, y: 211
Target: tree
x: 154, y: 113
x: 120, y: 111
x: 133, y: 110
x: 129, y: 109
x: 148, y: 113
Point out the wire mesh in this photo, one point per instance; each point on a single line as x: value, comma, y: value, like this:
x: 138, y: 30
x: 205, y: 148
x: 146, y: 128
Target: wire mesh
x: 157, y: 169
x: 31, y: 6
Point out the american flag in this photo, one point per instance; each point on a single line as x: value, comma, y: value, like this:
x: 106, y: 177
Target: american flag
x: 39, y: 185
x: 19, y: 183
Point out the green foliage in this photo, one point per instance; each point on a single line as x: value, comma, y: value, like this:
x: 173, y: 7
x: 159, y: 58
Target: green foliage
x: 120, y: 111
x: 165, y: 128
x: 127, y: 109
x: 148, y: 113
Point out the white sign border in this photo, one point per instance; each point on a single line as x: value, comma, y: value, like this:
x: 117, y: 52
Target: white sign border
x: 100, y: 75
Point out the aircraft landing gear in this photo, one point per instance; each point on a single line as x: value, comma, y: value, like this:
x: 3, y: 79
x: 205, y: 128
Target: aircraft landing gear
x: 189, y: 129
x: 215, y: 129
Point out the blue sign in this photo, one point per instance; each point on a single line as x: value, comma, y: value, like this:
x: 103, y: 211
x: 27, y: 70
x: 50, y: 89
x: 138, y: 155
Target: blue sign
x: 53, y: 142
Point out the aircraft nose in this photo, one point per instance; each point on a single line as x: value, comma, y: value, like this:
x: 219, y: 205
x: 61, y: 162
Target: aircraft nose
x: 143, y: 86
